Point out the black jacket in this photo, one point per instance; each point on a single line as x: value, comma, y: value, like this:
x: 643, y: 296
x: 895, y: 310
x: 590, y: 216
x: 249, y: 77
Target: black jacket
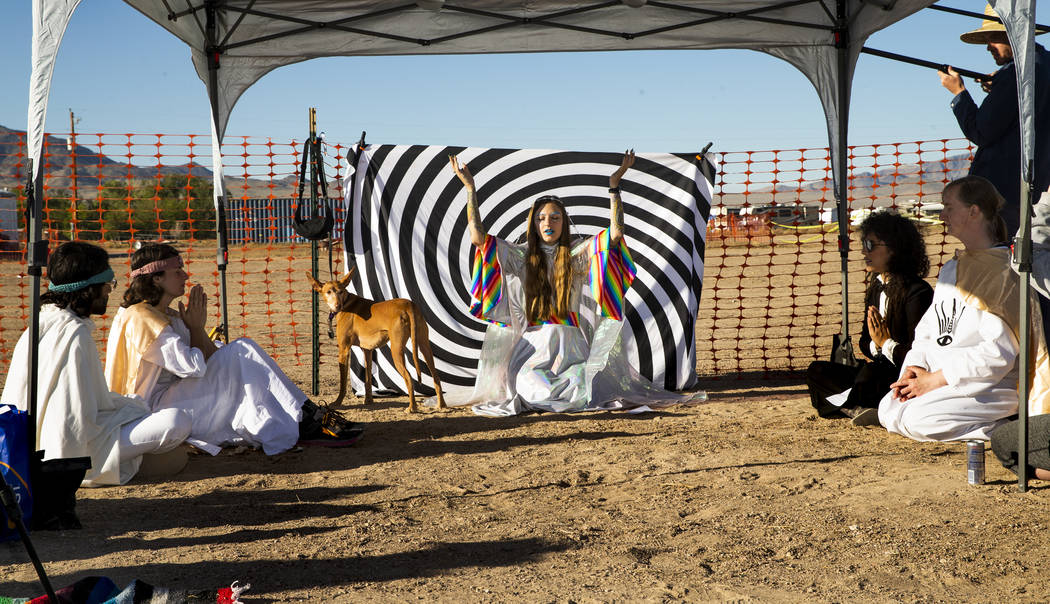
x: 995, y: 129
x: 902, y: 324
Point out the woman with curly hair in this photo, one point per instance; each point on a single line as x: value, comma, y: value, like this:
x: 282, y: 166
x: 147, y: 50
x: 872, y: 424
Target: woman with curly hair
x: 896, y: 298
x: 538, y: 354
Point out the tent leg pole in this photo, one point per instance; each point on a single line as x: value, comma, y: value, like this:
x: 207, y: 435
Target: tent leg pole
x: 222, y: 258
x: 842, y: 45
x: 315, y: 337
x: 312, y: 157
x: 222, y: 246
x: 36, y: 260
x: 14, y: 516
x: 1023, y: 252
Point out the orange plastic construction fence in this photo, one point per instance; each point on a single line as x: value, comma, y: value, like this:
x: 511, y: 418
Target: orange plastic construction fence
x: 771, y: 293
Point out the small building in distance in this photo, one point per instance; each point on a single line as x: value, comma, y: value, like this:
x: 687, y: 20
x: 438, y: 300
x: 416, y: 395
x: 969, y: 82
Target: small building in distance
x: 789, y: 214
x: 8, y: 214
x: 9, y: 233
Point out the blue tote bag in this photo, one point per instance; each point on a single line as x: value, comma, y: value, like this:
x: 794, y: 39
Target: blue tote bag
x: 14, y: 466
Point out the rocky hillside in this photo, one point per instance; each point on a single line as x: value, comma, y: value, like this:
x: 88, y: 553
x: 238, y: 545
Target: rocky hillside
x: 94, y: 168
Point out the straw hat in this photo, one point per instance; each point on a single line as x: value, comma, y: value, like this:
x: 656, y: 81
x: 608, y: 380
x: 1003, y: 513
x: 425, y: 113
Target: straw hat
x: 988, y: 29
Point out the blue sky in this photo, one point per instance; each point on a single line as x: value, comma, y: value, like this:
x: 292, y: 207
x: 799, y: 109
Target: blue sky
x: 119, y: 73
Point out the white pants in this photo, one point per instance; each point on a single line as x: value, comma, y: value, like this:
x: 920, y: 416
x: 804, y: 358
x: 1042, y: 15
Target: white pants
x: 243, y: 398
x: 155, y: 433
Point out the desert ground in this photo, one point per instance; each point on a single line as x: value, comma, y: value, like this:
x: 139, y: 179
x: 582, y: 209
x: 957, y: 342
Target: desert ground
x: 746, y: 497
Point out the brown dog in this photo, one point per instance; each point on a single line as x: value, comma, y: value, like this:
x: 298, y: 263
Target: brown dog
x: 368, y: 325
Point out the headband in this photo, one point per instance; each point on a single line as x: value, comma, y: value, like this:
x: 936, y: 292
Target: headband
x: 104, y: 277
x: 157, y: 267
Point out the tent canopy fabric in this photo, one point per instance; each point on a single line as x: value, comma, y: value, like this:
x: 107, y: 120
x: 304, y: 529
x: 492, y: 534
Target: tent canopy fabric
x: 254, y: 38
x: 249, y: 38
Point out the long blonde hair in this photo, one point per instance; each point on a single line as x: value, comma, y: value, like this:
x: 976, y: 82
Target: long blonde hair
x: 545, y: 296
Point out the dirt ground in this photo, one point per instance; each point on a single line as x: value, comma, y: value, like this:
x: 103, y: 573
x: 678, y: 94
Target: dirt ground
x: 747, y: 497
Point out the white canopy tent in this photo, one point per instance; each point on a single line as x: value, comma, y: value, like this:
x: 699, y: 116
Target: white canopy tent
x: 236, y: 42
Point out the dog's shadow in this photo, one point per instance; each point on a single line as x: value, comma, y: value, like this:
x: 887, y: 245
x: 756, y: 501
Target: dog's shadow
x: 381, y: 401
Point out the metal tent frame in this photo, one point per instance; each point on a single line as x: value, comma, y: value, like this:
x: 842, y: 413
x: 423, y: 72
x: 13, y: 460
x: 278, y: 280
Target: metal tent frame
x: 235, y: 42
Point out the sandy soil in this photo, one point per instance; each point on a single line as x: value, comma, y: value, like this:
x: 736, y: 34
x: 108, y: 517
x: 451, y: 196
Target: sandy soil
x: 747, y: 497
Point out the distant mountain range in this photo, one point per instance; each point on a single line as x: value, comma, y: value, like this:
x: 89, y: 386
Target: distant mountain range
x: 950, y: 168
x: 93, y: 169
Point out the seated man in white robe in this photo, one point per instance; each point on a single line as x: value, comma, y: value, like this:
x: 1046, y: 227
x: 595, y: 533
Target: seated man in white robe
x: 77, y: 415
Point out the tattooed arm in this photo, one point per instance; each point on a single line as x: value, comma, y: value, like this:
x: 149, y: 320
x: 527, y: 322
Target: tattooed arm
x: 474, y: 222
x: 615, y: 203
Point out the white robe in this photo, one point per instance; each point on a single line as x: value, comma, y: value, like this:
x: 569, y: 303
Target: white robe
x: 550, y: 367
x: 977, y: 353
x: 238, y: 396
x: 77, y: 415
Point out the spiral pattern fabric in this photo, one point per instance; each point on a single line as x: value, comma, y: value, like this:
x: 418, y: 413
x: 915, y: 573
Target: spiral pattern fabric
x: 406, y: 233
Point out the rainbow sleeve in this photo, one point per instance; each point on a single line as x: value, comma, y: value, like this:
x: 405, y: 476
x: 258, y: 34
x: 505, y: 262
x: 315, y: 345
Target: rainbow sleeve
x: 487, y: 276
x: 612, y: 271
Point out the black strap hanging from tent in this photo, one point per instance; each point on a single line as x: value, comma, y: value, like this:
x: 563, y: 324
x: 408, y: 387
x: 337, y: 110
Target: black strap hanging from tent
x: 317, y: 226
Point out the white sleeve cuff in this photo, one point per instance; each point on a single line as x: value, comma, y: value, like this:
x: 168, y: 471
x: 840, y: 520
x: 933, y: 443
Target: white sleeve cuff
x: 888, y: 347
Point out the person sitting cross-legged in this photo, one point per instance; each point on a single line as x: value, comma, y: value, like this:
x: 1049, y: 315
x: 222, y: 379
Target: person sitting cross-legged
x: 960, y: 379
x: 896, y: 298
x: 235, y: 394
x: 77, y: 415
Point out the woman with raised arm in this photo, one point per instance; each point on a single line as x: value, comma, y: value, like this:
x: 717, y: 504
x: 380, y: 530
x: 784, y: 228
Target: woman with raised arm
x: 538, y: 354
x: 959, y: 380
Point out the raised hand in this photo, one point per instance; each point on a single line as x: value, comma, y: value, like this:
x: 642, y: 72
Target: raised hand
x: 477, y: 227
x: 463, y: 172
x: 628, y: 161
x: 986, y: 83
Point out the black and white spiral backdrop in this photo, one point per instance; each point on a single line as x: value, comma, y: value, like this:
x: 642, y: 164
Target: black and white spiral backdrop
x: 406, y: 234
